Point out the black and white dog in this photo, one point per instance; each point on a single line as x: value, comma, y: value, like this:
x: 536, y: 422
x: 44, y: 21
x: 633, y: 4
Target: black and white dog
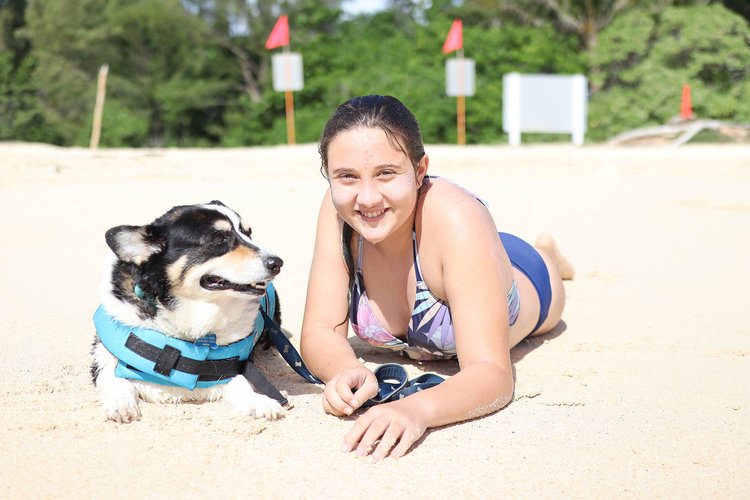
x: 192, y: 277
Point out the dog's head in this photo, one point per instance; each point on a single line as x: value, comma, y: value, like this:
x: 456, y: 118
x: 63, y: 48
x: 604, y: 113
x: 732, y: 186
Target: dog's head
x: 195, y: 252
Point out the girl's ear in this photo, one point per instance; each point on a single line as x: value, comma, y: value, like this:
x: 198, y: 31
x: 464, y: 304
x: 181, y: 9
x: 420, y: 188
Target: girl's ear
x: 422, y: 167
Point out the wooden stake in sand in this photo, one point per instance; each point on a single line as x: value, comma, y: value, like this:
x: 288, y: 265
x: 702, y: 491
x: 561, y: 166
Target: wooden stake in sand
x: 101, y: 91
x: 289, y: 104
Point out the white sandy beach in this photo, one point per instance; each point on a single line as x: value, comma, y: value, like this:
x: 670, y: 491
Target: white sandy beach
x: 644, y: 391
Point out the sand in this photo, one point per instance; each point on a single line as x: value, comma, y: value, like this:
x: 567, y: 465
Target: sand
x: 643, y: 391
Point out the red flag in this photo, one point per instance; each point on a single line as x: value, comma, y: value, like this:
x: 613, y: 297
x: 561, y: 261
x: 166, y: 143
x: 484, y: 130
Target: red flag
x: 455, y: 38
x: 279, y: 34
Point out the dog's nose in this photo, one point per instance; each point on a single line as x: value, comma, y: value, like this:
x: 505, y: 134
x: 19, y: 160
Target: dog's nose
x: 273, y: 264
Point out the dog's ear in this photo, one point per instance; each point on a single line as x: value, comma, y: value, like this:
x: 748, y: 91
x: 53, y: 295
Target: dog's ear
x: 217, y: 202
x: 134, y: 244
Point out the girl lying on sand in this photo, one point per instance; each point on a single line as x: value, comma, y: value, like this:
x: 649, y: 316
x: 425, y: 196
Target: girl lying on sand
x: 416, y: 264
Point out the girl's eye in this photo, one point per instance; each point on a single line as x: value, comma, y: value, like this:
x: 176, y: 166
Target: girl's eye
x: 346, y: 178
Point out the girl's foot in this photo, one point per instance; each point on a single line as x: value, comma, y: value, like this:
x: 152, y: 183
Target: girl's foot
x: 547, y: 243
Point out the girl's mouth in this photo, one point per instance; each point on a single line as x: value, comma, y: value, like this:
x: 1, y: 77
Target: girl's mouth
x: 372, y: 215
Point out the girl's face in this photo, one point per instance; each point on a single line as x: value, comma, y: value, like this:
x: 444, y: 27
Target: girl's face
x: 373, y: 185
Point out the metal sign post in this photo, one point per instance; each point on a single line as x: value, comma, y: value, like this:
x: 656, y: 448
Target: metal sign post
x: 459, y: 82
x: 287, y: 77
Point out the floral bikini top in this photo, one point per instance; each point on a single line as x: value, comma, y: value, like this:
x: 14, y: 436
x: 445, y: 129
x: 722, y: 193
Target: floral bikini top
x: 430, y: 331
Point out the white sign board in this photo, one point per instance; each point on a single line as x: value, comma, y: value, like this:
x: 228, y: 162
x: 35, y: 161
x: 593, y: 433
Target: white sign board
x: 544, y: 103
x: 287, y: 71
x: 459, y: 77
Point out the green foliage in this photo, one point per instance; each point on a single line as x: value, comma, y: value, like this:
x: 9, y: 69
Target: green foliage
x: 378, y: 55
x: 644, y: 59
x: 508, y: 48
x: 196, y: 73
x: 21, y: 117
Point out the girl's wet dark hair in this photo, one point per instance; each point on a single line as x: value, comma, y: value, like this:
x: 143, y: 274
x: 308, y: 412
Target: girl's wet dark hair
x: 384, y: 112
x: 400, y: 127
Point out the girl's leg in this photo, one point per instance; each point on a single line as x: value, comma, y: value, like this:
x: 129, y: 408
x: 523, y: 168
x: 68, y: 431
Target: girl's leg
x: 559, y: 269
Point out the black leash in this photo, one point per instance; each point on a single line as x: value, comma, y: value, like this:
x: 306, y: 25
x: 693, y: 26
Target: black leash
x: 286, y: 349
x: 393, y: 381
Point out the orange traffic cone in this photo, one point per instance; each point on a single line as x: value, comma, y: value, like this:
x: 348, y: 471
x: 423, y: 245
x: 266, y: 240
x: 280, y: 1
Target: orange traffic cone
x: 686, y: 107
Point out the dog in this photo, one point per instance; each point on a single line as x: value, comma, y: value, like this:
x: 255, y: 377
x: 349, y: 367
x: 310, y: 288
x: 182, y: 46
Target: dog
x: 192, y: 274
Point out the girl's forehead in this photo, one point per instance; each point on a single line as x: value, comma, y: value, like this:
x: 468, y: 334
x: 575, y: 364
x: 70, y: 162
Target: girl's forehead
x: 363, y: 143
x: 360, y: 135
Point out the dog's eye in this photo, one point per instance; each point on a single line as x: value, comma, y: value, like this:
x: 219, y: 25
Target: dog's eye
x: 220, y: 239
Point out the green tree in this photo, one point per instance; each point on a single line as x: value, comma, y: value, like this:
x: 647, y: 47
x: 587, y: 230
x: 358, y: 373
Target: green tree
x: 583, y: 18
x: 21, y: 116
x: 66, y: 37
x: 645, y: 58
x: 11, y: 19
x: 164, y: 85
x: 165, y: 67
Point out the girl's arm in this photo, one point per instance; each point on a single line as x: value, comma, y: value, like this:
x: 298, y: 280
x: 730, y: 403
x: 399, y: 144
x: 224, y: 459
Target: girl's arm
x: 324, y: 345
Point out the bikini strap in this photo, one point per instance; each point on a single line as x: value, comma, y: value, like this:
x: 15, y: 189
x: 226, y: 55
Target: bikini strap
x: 417, y: 269
x: 359, y: 254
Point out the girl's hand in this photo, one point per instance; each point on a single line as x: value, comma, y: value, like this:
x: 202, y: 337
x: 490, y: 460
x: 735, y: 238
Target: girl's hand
x: 387, y: 429
x: 348, y: 390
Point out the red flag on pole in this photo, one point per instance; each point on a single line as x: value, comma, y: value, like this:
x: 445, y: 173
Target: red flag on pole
x: 279, y: 34
x: 455, y: 38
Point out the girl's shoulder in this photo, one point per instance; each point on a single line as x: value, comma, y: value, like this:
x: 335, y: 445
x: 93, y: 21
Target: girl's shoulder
x: 443, y: 197
x: 450, y: 215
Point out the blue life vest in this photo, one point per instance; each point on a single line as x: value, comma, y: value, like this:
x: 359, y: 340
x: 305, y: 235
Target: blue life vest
x: 114, y: 335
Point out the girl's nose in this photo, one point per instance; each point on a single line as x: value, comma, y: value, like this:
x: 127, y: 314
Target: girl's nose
x: 368, y: 194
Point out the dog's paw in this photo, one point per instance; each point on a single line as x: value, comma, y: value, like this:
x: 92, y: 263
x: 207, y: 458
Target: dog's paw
x: 122, y: 409
x: 268, y: 408
x: 240, y: 394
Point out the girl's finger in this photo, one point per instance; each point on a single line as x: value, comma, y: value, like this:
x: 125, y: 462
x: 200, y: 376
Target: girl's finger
x: 344, y: 391
x: 353, y: 437
x: 390, y: 437
x: 333, y: 404
x: 408, y: 438
x: 367, y: 390
x: 372, y: 435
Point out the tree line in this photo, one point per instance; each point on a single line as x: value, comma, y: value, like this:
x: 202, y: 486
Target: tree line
x: 195, y: 72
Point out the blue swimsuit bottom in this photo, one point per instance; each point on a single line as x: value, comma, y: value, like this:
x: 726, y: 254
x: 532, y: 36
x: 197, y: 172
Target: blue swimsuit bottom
x: 525, y: 258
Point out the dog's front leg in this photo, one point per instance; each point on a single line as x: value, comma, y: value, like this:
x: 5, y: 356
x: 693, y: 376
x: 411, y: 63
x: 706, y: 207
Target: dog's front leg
x: 240, y: 394
x: 118, y: 395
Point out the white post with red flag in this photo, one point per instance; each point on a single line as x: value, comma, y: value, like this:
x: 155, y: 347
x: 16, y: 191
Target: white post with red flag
x: 459, y: 76
x: 287, y: 71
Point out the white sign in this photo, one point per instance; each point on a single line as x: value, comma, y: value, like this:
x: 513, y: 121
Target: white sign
x: 287, y: 71
x: 459, y: 77
x: 544, y: 103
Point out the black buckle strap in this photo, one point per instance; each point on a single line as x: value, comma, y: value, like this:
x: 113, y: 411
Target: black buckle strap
x: 169, y: 359
x: 261, y: 384
x: 166, y: 360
